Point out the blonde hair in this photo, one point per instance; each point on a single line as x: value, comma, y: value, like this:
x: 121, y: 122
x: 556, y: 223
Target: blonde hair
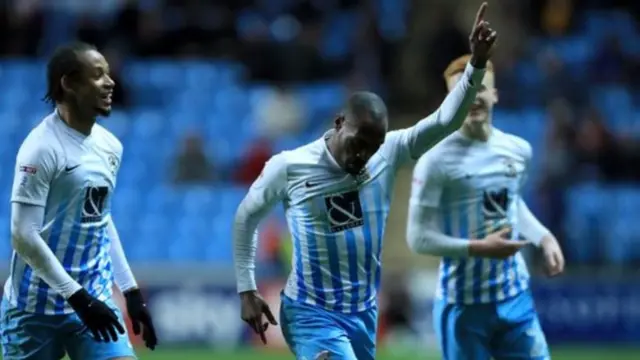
x: 457, y: 66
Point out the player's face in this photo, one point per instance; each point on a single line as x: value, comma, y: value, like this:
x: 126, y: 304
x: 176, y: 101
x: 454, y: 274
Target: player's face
x: 95, y: 86
x: 486, y: 98
x: 358, y: 141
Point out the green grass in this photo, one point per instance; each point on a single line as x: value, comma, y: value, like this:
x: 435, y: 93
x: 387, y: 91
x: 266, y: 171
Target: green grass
x: 576, y: 353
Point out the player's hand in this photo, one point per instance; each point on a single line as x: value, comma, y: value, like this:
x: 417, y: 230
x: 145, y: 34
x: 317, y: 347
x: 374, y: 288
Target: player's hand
x: 141, y: 318
x: 253, y: 307
x: 482, y: 39
x: 553, y: 257
x: 97, y: 316
x: 497, y: 245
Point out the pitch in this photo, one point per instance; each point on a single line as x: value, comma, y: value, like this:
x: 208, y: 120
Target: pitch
x: 575, y: 353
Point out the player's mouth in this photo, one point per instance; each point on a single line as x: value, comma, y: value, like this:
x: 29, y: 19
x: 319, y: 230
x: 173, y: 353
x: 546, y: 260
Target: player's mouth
x: 477, y: 108
x: 105, y: 98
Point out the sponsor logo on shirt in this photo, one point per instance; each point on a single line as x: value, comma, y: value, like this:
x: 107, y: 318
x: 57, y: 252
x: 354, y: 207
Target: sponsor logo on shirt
x: 344, y: 211
x: 28, y: 169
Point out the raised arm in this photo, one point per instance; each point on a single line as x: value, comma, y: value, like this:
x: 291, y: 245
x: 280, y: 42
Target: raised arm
x: 412, y: 142
x: 269, y: 189
x: 33, y: 175
x: 447, y: 118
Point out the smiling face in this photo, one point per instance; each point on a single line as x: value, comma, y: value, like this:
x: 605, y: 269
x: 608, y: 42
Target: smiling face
x: 92, y: 88
x: 486, y: 98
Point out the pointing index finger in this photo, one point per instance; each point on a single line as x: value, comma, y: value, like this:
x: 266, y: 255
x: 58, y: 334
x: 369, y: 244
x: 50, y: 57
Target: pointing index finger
x: 480, y: 14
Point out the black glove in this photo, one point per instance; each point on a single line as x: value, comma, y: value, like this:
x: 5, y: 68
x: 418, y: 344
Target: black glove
x: 140, y: 318
x: 96, y: 316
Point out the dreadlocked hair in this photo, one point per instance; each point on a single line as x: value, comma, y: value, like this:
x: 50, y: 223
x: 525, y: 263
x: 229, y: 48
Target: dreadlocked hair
x: 63, y: 62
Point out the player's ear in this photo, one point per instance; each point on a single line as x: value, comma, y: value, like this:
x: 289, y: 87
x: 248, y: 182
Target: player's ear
x: 65, y: 84
x: 339, y: 120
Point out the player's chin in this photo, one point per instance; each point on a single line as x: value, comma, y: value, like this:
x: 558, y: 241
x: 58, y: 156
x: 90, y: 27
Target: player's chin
x: 477, y: 117
x: 104, y: 110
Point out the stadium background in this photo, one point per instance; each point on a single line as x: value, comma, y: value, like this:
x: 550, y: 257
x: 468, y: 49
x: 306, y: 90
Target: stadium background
x: 208, y: 90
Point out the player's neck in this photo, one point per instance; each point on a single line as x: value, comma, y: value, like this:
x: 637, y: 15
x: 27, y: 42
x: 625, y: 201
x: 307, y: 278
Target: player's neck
x: 75, y: 120
x: 477, y: 133
x: 334, y: 148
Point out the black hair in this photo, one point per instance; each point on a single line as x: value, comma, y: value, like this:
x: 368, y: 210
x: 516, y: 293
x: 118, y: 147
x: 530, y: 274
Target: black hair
x: 64, y: 62
x: 365, y: 104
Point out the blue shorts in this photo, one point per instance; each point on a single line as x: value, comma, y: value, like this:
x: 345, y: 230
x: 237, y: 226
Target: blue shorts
x: 26, y: 335
x: 505, y: 330
x: 311, y: 330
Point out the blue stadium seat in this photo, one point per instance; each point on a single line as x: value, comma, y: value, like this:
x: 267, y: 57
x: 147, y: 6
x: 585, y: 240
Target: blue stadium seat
x: 339, y: 34
x: 584, y: 221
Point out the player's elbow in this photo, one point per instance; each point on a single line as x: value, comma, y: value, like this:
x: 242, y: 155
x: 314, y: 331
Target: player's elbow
x: 417, y: 241
x: 422, y: 245
x: 19, y: 237
x: 242, y: 216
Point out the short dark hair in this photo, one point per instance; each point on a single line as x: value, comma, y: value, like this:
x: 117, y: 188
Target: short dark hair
x: 63, y: 62
x: 363, y: 104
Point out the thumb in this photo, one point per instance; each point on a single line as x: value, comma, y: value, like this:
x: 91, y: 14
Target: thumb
x: 522, y: 243
x: 505, y: 233
x: 552, y: 261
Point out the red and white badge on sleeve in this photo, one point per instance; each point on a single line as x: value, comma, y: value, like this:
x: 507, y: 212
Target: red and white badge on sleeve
x: 28, y: 169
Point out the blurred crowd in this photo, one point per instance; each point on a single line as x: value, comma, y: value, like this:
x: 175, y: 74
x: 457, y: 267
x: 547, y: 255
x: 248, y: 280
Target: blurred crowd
x: 396, y: 47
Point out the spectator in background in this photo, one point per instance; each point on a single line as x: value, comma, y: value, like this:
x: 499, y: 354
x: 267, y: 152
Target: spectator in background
x: 610, y: 64
x: 556, y: 17
x: 558, y: 155
x: 251, y: 164
x: 602, y: 154
x: 280, y: 113
x: 22, y: 27
x: 559, y: 81
x: 192, y: 165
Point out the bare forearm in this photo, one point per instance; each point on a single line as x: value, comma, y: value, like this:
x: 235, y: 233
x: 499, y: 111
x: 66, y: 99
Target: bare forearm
x: 30, y: 246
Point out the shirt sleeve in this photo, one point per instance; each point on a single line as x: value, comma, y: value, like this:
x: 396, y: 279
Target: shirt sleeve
x: 428, y: 180
x: 423, y: 231
x: 26, y: 222
x: 34, y: 171
x: 269, y: 189
x: 410, y: 143
x: 425, y: 237
x: 122, y: 274
x: 530, y: 227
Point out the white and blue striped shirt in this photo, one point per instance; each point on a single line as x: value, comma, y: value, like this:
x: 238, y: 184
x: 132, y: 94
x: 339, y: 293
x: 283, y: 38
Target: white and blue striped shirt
x: 475, y: 188
x: 73, y: 177
x: 337, y: 220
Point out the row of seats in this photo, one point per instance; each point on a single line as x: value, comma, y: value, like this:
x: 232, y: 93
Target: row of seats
x: 602, y: 223
x: 166, y: 223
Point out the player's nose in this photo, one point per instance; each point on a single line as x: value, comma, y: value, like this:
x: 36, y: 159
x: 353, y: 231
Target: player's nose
x: 109, y: 84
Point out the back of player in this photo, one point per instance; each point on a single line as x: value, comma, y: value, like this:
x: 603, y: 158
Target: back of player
x: 466, y: 207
